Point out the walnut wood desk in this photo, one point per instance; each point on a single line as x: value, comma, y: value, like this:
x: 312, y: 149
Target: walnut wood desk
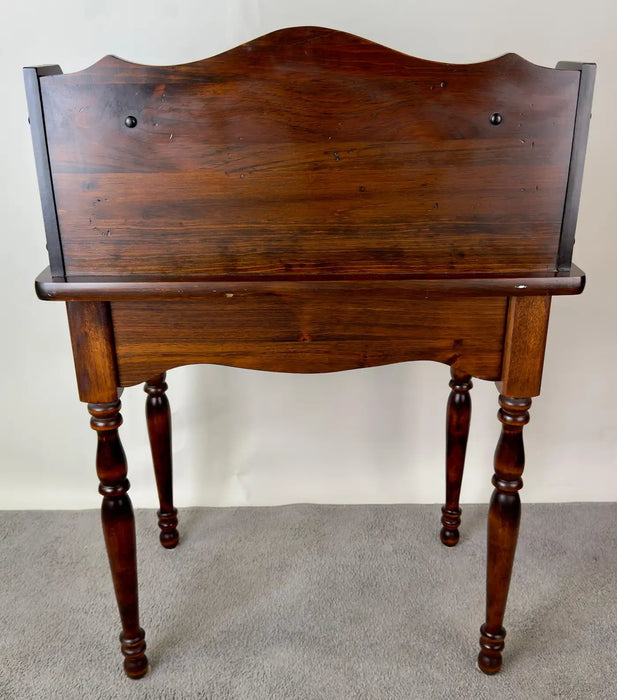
x: 309, y: 202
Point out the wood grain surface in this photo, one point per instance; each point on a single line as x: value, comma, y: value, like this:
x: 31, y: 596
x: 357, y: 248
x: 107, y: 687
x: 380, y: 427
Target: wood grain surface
x: 310, y: 151
x: 309, y: 202
x: 308, y: 332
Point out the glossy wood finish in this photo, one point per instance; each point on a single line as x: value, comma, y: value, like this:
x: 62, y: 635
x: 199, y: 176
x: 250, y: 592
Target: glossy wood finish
x: 32, y: 77
x: 119, y: 532
x: 309, y: 202
x: 458, y: 417
x: 381, y: 162
x: 308, y: 332
x: 173, y: 288
x: 158, y: 418
x: 503, y: 524
x: 577, y: 159
x: 524, y: 346
x: 93, y: 350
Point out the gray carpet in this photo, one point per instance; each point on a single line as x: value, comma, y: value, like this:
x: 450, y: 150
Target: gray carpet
x: 312, y: 602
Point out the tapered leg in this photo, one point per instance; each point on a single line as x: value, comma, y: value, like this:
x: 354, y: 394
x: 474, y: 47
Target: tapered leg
x: 158, y: 417
x: 457, y: 430
x: 119, y: 532
x: 503, y: 523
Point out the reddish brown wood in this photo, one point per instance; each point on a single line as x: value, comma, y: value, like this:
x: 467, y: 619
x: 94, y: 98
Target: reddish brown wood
x: 133, y: 288
x: 380, y: 162
x: 93, y: 351
x: 119, y: 532
x: 308, y: 332
x: 43, y: 168
x: 309, y: 202
x: 457, y: 431
x: 577, y: 160
x: 158, y: 418
x: 503, y: 523
x: 524, y: 346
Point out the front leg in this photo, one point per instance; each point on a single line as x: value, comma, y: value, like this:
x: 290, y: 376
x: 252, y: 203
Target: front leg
x: 119, y: 532
x: 503, y: 524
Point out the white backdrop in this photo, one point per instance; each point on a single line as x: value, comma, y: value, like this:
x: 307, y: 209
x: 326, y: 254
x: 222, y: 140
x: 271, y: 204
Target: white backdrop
x: 243, y: 437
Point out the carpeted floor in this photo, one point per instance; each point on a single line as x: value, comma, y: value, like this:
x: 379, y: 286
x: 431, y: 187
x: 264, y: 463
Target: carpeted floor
x: 310, y: 602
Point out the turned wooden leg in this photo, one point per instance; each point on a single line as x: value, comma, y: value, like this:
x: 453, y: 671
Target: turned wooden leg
x: 457, y: 430
x: 119, y: 532
x: 503, y: 522
x: 158, y: 417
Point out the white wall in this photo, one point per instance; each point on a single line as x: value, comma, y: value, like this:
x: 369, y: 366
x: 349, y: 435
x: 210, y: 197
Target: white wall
x: 245, y: 437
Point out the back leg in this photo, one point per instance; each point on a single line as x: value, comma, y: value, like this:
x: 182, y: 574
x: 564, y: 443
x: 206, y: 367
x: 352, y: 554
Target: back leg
x: 457, y: 430
x: 158, y: 417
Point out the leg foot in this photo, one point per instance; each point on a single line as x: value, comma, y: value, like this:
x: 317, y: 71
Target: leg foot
x: 158, y: 418
x: 168, y: 523
x: 135, y: 661
x: 491, y: 646
x: 457, y: 430
x: 450, y: 521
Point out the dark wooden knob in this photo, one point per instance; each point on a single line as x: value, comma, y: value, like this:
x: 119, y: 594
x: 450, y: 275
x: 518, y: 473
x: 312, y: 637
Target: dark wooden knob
x: 496, y: 119
x: 131, y: 122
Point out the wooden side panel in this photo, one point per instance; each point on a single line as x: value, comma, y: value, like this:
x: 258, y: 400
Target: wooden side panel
x: 577, y: 161
x: 308, y: 332
x: 525, y: 343
x: 43, y: 168
x: 310, y: 151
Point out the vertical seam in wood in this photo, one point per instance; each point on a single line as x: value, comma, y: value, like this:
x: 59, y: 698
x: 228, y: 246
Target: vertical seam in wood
x: 112, y: 339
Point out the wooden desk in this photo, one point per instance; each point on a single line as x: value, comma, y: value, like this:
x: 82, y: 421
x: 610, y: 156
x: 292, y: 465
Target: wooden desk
x: 309, y: 202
